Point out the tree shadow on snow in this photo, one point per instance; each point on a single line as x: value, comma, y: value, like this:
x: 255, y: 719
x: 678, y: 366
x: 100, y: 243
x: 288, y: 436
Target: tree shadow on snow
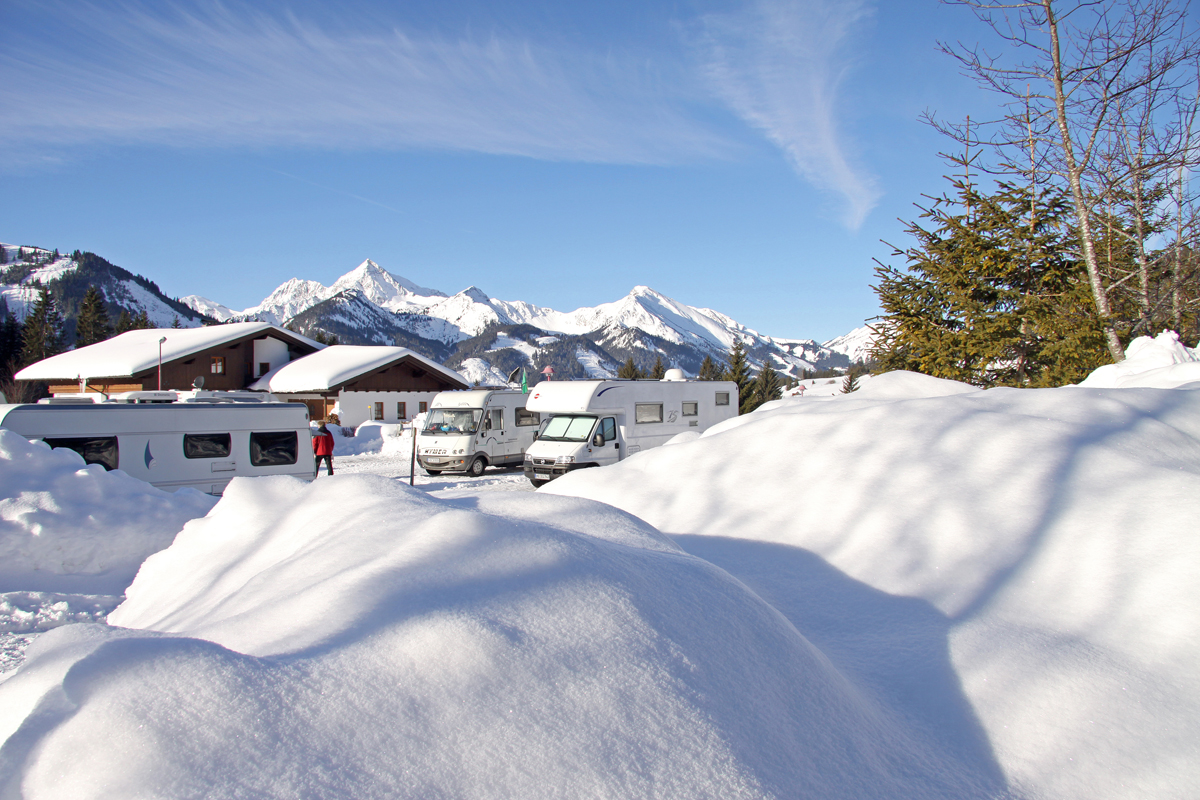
x: 893, y: 648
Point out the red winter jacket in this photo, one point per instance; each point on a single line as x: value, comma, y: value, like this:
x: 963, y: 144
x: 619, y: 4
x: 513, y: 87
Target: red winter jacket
x: 323, y: 444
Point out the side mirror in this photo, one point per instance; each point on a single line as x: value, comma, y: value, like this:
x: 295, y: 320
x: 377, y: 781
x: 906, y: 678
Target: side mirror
x: 598, y: 440
x: 535, y: 435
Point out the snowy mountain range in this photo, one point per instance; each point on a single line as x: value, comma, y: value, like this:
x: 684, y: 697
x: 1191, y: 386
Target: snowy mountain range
x: 481, y: 336
x: 486, y: 338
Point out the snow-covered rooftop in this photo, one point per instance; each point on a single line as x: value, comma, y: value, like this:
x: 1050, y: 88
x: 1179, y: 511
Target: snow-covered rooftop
x: 137, y: 351
x: 339, y: 363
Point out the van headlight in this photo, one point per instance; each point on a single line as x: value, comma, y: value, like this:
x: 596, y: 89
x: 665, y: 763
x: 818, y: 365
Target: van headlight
x: 528, y: 457
x: 565, y: 460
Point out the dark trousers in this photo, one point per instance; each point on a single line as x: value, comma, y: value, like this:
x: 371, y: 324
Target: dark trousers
x: 328, y: 463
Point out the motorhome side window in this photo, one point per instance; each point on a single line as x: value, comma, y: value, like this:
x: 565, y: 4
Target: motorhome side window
x: 218, y: 365
x: 690, y: 409
x: 722, y: 398
x: 273, y: 449
x: 526, y: 419
x: 100, y: 450
x: 206, y: 445
x: 648, y: 412
x: 608, y: 428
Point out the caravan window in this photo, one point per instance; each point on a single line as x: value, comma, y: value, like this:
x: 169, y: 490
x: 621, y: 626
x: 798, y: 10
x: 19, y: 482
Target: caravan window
x: 722, y: 398
x: 526, y: 418
x: 100, y: 450
x: 690, y: 409
x: 452, y: 421
x: 648, y: 412
x: 273, y: 449
x: 567, y: 428
x: 206, y: 445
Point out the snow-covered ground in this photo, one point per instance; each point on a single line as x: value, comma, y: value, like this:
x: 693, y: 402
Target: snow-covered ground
x: 918, y: 590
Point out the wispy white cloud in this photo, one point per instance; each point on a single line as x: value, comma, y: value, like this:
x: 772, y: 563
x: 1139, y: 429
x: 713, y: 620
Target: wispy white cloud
x: 780, y: 65
x: 225, y: 75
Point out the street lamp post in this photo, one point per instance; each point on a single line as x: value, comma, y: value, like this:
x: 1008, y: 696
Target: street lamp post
x: 160, y: 344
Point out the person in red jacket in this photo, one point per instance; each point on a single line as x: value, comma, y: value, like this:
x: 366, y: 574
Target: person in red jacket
x: 322, y: 442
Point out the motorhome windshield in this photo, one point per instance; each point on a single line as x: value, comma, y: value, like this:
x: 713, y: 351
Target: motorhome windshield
x: 452, y: 421
x: 567, y: 428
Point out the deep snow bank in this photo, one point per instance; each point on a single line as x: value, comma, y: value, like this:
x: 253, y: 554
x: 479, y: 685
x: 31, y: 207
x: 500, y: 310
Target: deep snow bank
x: 66, y: 526
x: 355, y: 638
x: 1050, y: 535
x: 1159, y: 363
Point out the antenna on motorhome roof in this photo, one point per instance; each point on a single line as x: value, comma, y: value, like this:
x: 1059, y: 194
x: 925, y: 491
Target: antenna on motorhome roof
x: 198, y: 383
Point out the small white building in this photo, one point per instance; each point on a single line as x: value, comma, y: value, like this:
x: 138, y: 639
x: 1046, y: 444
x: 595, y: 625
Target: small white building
x: 361, y: 383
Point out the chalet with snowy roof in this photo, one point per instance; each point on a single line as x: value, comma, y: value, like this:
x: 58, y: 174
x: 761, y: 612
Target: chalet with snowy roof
x: 228, y: 357
x: 360, y: 383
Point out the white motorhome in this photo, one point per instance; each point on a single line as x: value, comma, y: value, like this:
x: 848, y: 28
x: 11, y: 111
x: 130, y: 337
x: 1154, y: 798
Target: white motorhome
x: 594, y: 423
x: 171, y: 440
x: 467, y: 431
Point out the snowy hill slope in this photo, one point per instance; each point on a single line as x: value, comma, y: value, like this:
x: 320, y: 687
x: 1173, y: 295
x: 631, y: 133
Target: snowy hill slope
x: 68, y: 278
x: 1012, y: 569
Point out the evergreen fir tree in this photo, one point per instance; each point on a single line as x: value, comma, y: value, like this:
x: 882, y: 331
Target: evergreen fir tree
x: 91, y: 325
x: 124, y: 322
x: 56, y: 255
x: 3, y: 255
x: 850, y: 384
x: 709, y: 370
x: 142, y: 322
x: 659, y: 370
x: 10, y: 341
x: 20, y: 254
x: 738, y: 371
x: 630, y: 370
x: 175, y: 322
x: 767, y: 386
x: 41, y: 336
x: 993, y: 294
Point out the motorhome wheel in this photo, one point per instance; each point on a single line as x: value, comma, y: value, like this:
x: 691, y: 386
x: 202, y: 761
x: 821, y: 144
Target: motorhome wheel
x: 477, y: 467
x: 433, y: 471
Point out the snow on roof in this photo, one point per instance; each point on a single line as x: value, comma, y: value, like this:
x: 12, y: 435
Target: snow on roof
x: 137, y: 351
x: 339, y: 363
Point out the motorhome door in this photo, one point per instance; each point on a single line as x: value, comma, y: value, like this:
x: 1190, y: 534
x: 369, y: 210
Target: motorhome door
x: 606, y: 442
x: 501, y: 439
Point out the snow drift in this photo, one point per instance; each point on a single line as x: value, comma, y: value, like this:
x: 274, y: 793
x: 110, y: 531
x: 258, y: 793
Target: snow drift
x: 1035, y: 550
x: 356, y: 638
x: 67, y: 526
x: 1159, y: 363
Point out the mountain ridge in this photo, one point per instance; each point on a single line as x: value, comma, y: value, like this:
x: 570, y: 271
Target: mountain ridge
x: 644, y: 325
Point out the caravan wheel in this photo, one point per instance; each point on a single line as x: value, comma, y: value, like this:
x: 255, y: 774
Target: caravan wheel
x: 477, y: 467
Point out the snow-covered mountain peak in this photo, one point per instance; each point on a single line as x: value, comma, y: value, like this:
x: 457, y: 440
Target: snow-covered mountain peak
x: 386, y: 289
x: 476, y: 294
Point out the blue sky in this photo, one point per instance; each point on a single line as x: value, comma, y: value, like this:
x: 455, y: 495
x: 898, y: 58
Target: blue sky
x: 747, y: 157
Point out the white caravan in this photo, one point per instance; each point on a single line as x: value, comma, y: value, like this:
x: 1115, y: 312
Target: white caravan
x: 594, y: 423
x: 466, y: 431
x: 171, y: 440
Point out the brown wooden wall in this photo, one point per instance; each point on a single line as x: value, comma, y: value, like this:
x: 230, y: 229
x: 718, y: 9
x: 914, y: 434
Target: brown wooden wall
x: 402, y: 376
